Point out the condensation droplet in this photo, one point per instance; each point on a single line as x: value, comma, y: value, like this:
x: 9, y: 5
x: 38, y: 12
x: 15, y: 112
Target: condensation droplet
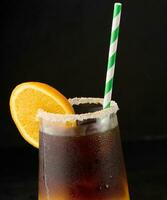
x: 107, y: 186
x: 100, y: 187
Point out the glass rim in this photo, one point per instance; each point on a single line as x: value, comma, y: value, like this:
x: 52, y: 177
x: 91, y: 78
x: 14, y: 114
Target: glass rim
x: 54, y: 117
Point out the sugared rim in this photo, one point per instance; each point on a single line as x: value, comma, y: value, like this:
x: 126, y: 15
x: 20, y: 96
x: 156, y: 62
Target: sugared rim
x: 52, y: 117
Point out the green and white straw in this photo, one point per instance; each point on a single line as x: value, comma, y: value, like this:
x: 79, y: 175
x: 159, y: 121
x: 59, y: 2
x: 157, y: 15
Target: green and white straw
x: 112, y: 55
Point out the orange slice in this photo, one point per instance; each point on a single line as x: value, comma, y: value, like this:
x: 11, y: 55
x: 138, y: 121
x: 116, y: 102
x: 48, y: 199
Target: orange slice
x: 25, y: 101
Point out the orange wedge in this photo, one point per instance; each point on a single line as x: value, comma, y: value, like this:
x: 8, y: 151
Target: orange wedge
x: 25, y: 101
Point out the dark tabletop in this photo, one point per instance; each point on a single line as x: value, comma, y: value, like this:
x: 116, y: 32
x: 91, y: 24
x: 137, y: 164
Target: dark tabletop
x: 146, y: 164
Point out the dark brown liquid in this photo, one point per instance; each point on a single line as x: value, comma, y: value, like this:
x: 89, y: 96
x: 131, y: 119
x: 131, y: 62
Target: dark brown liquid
x: 88, y: 167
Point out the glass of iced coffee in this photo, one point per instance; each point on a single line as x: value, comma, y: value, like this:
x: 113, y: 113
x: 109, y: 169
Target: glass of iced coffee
x: 80, y: 155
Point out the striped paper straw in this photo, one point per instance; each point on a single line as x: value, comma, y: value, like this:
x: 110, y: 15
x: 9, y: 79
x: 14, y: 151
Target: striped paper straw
x: 112, y: 55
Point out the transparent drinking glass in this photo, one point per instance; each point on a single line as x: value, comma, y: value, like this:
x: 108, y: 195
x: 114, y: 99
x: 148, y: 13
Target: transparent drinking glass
x: 80, y: 155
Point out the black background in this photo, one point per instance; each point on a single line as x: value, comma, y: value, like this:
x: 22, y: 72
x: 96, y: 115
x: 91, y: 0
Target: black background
x: 65, y: 44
